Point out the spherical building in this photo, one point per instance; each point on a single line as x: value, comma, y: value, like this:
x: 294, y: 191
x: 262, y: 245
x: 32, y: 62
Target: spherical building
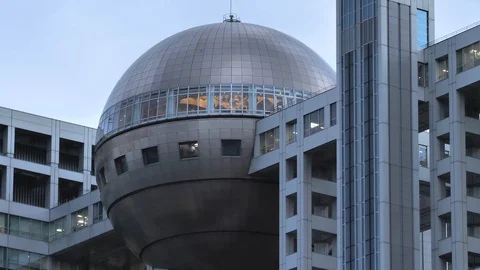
x: 176, y: 138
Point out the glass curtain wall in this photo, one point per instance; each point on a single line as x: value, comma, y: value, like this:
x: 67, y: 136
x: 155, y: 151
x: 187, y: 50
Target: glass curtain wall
x: 28, y: 228
x: 201, y: 100
x: 359, y: 96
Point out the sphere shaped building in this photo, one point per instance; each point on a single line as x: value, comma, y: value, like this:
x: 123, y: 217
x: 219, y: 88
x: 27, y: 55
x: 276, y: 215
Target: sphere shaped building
x: 176, y: 138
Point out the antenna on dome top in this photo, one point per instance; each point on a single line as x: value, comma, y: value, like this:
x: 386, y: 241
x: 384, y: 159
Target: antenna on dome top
x: 231, y: 17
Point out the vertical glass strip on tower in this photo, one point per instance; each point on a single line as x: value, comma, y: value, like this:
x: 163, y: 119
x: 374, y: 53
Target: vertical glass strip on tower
x: 359, y: 137
x: 422, y: 28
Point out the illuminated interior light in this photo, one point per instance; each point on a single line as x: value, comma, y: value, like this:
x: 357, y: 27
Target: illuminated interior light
x: 313, y: 125
x: 59, y: 230
x: 80, y: 221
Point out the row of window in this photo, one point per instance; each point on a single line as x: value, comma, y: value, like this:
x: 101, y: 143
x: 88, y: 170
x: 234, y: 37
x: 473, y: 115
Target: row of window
x: 312, y: 123
x: 45, y: 231
x: 230, y: 148
x: 199, y: 100
x: 467, y: 58
x: 19, y: 259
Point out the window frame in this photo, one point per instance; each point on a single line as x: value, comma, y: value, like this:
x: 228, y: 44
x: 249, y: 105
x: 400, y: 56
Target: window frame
x: 292, y: 128
x: 145, y: 157
x: 264, y: 146
x: 333, y: 114
x: 189, y: 143
x: 231, y: 141
x: 97, y: 212
x: 442, y: 68
x: 74, y: 216
x: 121, y: 166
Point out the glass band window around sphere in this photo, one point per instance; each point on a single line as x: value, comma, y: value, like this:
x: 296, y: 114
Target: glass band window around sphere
x: 196, y: 101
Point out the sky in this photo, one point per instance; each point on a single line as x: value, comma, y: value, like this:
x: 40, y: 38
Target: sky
x: 61, y: 58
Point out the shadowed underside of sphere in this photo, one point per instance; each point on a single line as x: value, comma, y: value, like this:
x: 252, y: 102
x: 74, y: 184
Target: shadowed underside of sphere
x: 200, y: 87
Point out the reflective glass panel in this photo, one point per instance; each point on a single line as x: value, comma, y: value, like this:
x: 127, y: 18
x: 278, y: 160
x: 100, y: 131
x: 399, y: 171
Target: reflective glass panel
x: 422, y: 28
x: 225, y: 99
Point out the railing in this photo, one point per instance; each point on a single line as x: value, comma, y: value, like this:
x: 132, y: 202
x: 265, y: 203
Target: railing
x: 30, y: 153
x: 69, y: 162
x: 431, y: 43
x: 298, y: 101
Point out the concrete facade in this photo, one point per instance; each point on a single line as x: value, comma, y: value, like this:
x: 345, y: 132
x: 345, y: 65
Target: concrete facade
x: 49, y: 236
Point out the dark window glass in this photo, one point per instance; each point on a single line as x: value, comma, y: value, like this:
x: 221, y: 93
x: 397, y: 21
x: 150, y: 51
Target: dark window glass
x: 101, y: 174
x: 422, y: 74
x: 314, y: 122
x: 291, y: 131
x: 231, y: 148
x: 121, y: 165
x: 92, y: 171
x: 150, y: 155
x: 423, y: 155
x: 333, y: 114
x: 97, y: 212
x: 269, y: 141
x: 188, y: 149
x: 442, y: 68
x: 468, y: 57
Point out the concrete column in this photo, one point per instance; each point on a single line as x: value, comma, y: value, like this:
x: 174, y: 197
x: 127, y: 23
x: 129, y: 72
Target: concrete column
x: 458, y: 180
x: 436, y: 186
x: 10, y: 149
x: 304, y: 214
x: 90, y: 215
x: 54, y: 160
x: 326, y: 114
x: 339, y: 202
x: 282, y: 214
x: 9, y: 176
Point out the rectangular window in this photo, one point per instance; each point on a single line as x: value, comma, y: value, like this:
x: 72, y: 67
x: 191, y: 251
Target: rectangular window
x: 442, y: 67
x: 57, y: 228
x: 423, y: 155
x: 422, y: 28
x: 28, y: 228
x: 468, y: 57
x: 188, y: 150
x: 150, y: 155
x: 269, y: 141
x: 333, y: 114
x: 3, y: 223
x: 422, y: 74
x: 101, y: 174
x: 97, y: 212
x: 292, y: 131
x: 314, y: 122
x: 231, y: 148
x: 80, y: 219
x: 121, y: 165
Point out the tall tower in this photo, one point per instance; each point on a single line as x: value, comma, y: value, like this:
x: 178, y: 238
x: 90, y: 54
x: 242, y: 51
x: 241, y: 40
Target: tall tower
x: 377, y: 47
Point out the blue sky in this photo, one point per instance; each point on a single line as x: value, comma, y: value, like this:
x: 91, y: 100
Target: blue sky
x: 61, y: 58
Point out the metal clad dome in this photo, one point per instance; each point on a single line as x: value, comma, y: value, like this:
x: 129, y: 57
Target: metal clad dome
x: 225, y: 53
